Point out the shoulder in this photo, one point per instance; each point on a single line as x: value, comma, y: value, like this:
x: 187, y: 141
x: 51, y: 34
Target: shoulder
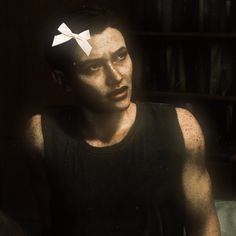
x: 191, y: 130
x: 53, y: 120
x: 34, y: 134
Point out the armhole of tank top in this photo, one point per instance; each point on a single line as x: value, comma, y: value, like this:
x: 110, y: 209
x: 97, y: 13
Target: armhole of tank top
x: 179, y: 132
x: 50, y: 131
x: 172, y: 122
x: 179, y: 164
x: 44, y: 128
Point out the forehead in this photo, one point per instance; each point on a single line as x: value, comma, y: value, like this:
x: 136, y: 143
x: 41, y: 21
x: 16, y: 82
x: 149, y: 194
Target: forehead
x: 105, y: 43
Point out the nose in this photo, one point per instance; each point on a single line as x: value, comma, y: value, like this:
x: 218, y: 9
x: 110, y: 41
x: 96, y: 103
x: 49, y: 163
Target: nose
x: 113, y: 76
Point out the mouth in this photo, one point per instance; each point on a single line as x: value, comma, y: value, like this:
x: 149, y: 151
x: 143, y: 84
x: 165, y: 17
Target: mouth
x: 118, y: 93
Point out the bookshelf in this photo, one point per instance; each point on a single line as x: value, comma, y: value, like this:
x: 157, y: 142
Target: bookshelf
x: 187, y: 35
x: 214, y: 109
x: 189, y: 60
x: 188, y: 96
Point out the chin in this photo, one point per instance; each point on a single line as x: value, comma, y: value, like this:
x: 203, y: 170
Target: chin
x: 117, y: 106
x: 124, y: 105
x: 120, y: 104
x: 105, y: 105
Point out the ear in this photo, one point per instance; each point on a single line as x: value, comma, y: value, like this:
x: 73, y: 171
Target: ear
x: 59, y: 77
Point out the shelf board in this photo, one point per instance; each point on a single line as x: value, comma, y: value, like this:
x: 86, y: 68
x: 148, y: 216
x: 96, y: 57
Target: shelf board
x: 195, y: 96
x: 188, y: 35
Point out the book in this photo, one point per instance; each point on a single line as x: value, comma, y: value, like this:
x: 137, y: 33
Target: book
x: 167, y: 16
x: 226, y: 71
x: 215, y: 15
x: 216, y: 68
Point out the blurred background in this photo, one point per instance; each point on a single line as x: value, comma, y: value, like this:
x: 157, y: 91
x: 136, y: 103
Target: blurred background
x: 186, y: 56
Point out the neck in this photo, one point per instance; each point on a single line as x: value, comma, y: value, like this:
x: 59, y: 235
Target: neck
x: 103, y: 129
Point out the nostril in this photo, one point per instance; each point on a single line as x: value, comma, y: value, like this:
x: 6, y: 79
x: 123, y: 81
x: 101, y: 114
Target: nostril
x: 115, y: 78
x: 114, y: 81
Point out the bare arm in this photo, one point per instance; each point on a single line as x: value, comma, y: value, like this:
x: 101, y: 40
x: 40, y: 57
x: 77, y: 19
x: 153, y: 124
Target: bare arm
x: 201, y: 217
x: 35, y: 150
x: 34, y: 135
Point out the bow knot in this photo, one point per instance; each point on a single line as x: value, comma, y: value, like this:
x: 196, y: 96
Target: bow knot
x: 67, y: 34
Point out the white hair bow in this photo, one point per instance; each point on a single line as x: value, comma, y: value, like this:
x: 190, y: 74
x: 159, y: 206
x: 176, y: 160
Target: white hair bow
x: 67, y: 34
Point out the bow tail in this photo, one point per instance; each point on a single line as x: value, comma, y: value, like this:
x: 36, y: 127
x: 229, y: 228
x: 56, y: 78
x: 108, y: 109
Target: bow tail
x: 59, y: 39
x: 86, y: 47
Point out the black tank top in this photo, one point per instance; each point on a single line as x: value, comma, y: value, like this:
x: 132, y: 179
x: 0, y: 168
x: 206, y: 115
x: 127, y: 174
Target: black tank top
x: 130, y: 188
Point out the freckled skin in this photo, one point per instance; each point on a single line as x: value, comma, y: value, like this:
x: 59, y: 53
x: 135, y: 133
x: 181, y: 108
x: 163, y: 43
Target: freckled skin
x: 93, y: 88
x: 201, y: 214
x: 117, y: 116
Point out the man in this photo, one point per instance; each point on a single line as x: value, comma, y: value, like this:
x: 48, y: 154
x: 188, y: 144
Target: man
x: 115, y: 167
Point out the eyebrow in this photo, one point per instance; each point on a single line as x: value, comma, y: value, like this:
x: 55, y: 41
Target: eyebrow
x: 120, y: 50
x: 100, y: 60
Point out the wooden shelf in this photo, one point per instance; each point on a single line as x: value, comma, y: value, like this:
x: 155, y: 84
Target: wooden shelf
x: 192, y: 96
x: 226, y: 38
x: 188, y: 35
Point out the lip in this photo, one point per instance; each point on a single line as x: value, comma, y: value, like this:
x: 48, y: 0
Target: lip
x: 118, y: 93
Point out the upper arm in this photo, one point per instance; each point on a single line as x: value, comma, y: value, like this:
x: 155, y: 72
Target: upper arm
x: 195, y: 179
x: 40, y: 185
x: 34, y: 134
x: 196, y: 182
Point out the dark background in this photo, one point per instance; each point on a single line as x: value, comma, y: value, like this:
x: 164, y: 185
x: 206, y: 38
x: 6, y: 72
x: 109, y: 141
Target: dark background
x: 26, y: 87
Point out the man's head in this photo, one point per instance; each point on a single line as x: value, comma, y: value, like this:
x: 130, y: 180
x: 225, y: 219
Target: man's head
x: 102, y: 80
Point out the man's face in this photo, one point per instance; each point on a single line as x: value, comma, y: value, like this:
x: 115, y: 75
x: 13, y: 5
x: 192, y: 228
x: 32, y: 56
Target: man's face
x: 103, y: 79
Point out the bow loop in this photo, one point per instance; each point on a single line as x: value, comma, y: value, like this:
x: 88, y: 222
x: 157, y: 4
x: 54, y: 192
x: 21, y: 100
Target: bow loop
x: 67, y: 34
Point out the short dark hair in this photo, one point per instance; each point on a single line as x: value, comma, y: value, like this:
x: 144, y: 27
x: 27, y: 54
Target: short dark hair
x: 61, y: 57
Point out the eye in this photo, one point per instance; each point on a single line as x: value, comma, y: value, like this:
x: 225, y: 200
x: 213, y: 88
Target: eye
x: 121, y: 56
x: 94, y: 67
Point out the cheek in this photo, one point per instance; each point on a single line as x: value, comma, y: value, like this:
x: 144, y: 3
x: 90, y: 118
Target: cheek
x: 90, y: 83
x: 126, y: 69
